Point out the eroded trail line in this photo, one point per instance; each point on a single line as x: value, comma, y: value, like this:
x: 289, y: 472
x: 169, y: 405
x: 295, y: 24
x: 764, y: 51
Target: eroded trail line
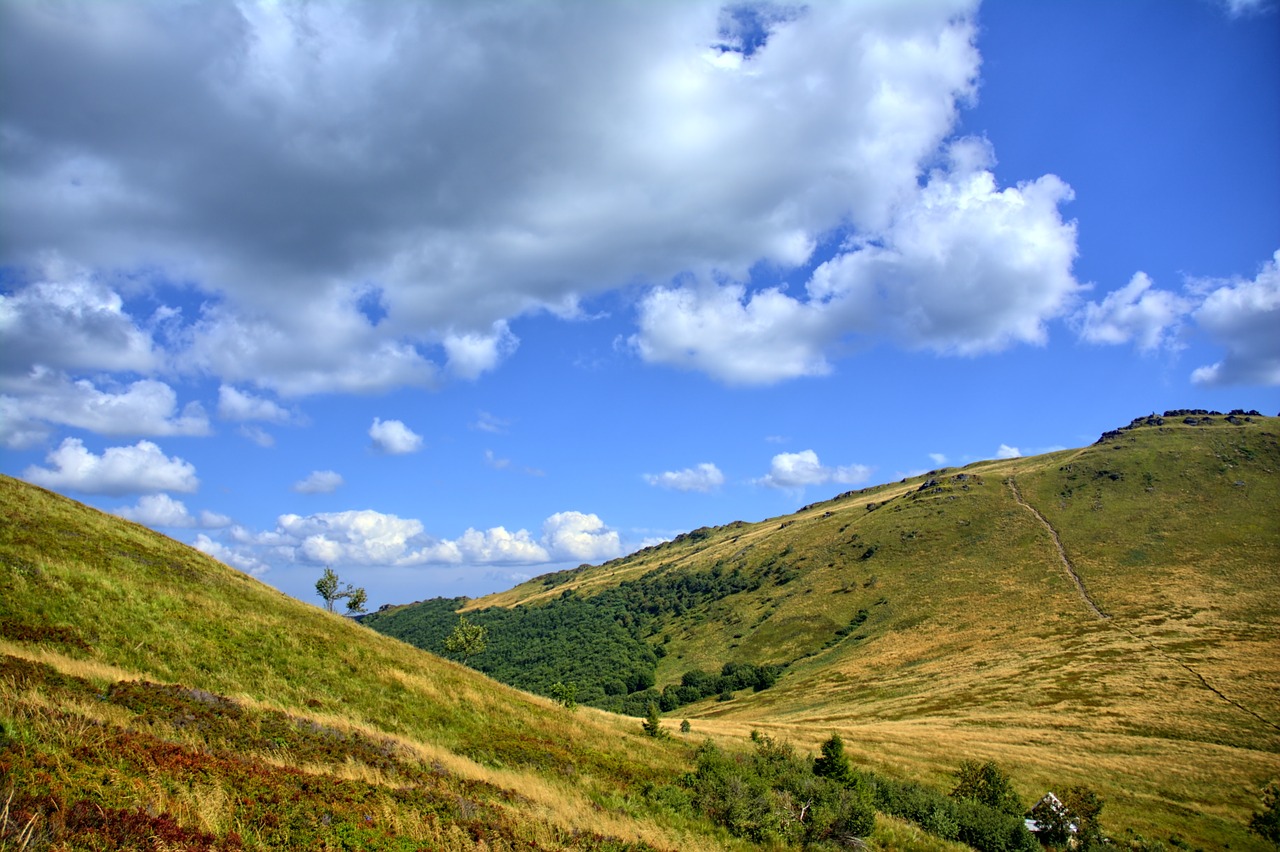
x: 1062, y: 554
x: 1084, y: 594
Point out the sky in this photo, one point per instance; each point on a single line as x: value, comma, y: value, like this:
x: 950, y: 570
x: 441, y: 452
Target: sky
x: 445, y: 296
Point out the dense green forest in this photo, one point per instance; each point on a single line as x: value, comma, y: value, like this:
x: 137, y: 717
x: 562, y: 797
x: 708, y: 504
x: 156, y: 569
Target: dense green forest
x: 604, y: 647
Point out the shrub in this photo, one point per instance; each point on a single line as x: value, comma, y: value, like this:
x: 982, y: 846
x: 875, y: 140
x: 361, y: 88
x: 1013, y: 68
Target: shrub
x: 1266, y: 822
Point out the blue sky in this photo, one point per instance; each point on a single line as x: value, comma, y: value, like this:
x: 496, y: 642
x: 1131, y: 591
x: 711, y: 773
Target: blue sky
x: 447, y: 296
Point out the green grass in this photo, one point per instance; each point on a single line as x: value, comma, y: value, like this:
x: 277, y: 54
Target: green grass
x: 159, y: 690
x: 979, y: 645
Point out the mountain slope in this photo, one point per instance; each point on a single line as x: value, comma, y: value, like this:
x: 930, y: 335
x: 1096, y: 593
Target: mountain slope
x: 150, y: 695
x: 1106, y: 615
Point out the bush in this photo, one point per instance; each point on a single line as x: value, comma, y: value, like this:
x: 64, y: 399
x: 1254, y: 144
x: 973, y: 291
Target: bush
x: 1266, y: 823
x: 988, y: 784
x: 772, y: 797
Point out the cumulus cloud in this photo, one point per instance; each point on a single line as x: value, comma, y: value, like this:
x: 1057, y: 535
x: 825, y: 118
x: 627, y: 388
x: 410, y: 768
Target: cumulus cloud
x: 471, y: 354
x: 762, y: 338
x: 235, y: 404
x: 393, y: 437
x: 581, y: 537
x: 319, y: 482
x: 86, y: 318
x: 961, y: 266
x: 145, y: 407
x: 535, y: 157
x: 1243, y: 316
x: 1004, y: 451
x: 704, y: 477
x: 488, y: 546
x: 1137, y: 312
x: 798, y: 470
x: 161, y: 510
x: 938, y: 458
x: 368, y: 537
x: 361, y: 537
x: 119, y: 470
x: 238, y: 558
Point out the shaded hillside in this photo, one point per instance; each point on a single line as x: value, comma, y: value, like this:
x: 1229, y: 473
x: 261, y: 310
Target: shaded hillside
x: 1107, y: 615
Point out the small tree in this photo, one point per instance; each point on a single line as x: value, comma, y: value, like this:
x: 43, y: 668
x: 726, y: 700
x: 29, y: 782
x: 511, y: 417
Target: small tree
x: 988, y: 784
x: 327, y: 587
x: 467, y: 639
x: 1085, y: 806
x: 685, y: 727
x: 652, y: 723
x: 833, y: 764
x: 566, y: 694
x: 1266, y: 822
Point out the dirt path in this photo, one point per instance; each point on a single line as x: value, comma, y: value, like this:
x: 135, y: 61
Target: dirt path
x: 1062, y: 554
x: 1093, y: 606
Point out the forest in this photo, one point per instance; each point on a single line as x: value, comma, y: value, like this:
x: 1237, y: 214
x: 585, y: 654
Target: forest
x: 604, y: 648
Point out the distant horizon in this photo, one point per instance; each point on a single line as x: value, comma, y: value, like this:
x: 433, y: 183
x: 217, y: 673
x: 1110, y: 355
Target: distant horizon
x: 447, y: 296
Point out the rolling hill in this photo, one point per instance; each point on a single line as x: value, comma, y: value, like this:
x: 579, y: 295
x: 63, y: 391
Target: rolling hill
x: 1108, y: 616
x: 153, y: 698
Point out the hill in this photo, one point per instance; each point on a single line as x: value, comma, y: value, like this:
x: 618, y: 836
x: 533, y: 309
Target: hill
x: 153, y: 698
x: 1105, y: 615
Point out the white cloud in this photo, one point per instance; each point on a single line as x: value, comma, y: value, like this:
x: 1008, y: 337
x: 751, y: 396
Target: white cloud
x: 938, y: 458
x: 161, y: 510
x: 235, y: 404
x: 319, y: 482
x: 1004, y: 451
x: 471, y: 355
x: 581, y: 537
x: 960, y: 267
x: 1244, y: 317
x: 704, y: 477
x: 361, y: 537
x: 487, y: 422
x: 322, y: 345
x: 393, y: 437
x: 758, y: 339
x: 237, y: 558
x: 368, y: 537
x: 85, y: 318
x: 145, y: 407
x: 536, y: 156
x: 494, y: 545
x: 258, y: 435
x: 964, y: 267
x: 119, y: 470
x: 1136, y: 312
x: 797, y: 470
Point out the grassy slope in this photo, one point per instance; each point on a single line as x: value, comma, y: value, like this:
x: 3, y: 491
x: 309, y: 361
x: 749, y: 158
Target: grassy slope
x: 978, y: 643
x: 417, y: 748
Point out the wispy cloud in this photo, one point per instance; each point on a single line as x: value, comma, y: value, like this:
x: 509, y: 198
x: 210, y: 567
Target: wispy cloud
x: 703, y: 477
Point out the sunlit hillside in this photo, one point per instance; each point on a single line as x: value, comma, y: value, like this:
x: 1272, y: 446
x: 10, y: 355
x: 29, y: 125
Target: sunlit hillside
x: 151, y: 697
x: 1106, y: 616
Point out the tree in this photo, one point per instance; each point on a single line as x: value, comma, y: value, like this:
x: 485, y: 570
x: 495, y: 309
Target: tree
x: 1085, y: 806
x: 467, y: 639
x: 833, y: 764
x: 652, y: 723
x: 1266, y: 823
x: 685, y: 727
x: 987, y: 784
x: 566, y: 694
x: 327, y: 587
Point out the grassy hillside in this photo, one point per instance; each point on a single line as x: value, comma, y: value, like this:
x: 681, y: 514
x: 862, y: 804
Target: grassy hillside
x: 153, y: 698
x: 1105, y: 616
